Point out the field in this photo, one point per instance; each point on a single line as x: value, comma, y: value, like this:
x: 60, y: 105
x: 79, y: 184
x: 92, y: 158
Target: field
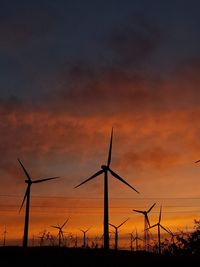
x: 54, y: 256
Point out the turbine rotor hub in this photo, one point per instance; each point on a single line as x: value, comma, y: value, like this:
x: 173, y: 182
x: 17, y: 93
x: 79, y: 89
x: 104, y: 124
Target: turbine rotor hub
x: 104, y: 167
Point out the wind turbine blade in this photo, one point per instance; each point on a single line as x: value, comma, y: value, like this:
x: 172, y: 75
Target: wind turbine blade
x: 110, y: 149
x: 160, y: 214
x: 88, y: 229
x: 123, y: 223
x: 44, y: 180
x: 139, y: 211
x: 24, y: 198
x: 169, y: 231
x: 113, y: 225
x: 122, y: 180
x: 152, y: 226
x: 151, y: 208
x: 165, y: 229
x: 25, y: 171
x: 55, y: 227
x: 64, y: 223
x: 93, y: 176
x: 147, y: 219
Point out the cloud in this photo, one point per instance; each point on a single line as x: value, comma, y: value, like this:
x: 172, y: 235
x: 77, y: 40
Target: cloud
x: 134, y: 41
x: 87, y: 92
x: 156, y: 158
x: 69, y: 126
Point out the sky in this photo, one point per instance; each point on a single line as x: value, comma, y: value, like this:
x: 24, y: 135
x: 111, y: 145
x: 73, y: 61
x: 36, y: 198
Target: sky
x: 72, y: 70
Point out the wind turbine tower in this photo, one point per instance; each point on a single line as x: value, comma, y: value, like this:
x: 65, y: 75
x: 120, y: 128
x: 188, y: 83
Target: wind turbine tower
x: 4, y: 236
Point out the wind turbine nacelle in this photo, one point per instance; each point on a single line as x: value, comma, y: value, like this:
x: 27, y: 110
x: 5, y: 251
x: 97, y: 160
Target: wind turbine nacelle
x: 27, y: 182
x: 104, y: 167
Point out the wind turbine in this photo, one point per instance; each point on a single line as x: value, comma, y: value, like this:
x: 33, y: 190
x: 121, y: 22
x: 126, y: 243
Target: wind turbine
x: 105, y: 169
x: 131, y: 241
x: 42, y: 237
x: 136, y: 238
x: 4, y: 236
x: 84, y: 236
x: 47, y: 237
x: 173, y: 236
x: 159, y: 226
x: 116, y: 232
x: 60, y: 232
x: 29, y: 182
x: 146, y: 224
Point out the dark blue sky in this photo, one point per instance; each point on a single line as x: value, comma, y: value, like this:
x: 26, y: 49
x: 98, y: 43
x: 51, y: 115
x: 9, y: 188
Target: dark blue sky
x: 42, y: 40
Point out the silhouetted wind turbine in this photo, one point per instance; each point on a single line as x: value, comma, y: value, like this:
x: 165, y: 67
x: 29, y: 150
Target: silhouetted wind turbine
x: 136, y: 240
x: 29, y: 182
x: 146, y: 224
x: 131, y: 241
x: 105, y: 169
x: 116, y: 232
x: 84, y: 236
x: 172, y: 236
x: 60, y: 231
x: 4, y: 236
x: 159, y: 226
x: 42, y: 237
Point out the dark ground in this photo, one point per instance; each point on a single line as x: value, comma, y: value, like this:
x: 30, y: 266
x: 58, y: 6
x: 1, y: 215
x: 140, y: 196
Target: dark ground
x: 54, y: 256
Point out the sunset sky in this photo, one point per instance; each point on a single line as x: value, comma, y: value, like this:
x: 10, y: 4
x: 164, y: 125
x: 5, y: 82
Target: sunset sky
x: 72, y: 70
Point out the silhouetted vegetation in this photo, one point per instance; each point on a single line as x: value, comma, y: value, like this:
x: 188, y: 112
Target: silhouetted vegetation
x: 182, y: 249
x: 61, y: 256
x: 184, y: 243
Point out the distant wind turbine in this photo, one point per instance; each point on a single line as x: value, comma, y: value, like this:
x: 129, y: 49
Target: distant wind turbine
x: 4, y: 236
x: 117, y: 232
x: 84, y: 236
x: 42, y: 237
x: 173, y: 236
x: 159, y: 226
x: 146, y: 224
x: 29, y: 182
x: 131, y: 241
x: 60, y: 231
x: 136, y: 239
x: 105, y: 169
